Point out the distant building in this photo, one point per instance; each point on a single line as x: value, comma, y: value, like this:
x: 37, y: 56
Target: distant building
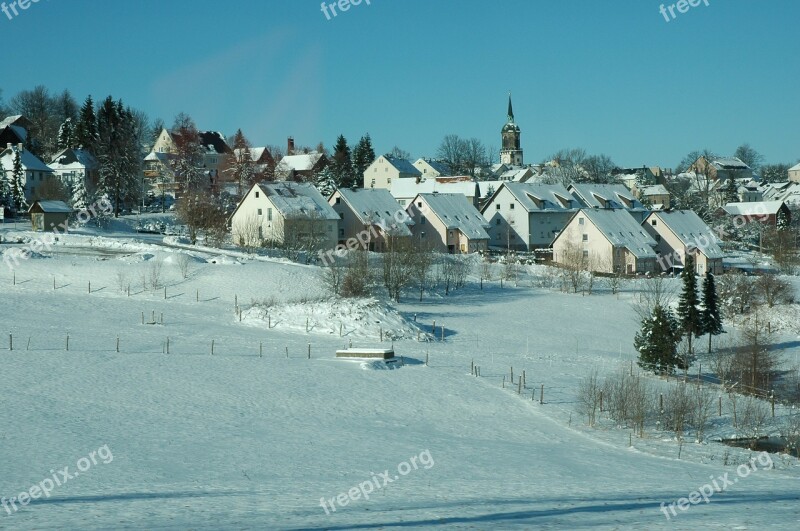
x: 284, y: 212
x: 301, y: 167
x: 794, y: 174
x: 371, y: 214
x: 14, y: 130
x: 765, y: 212
x: 608, y: 197
x: 527, y: 216
x: 34, y: 172
x: 606, y: 241
x: 404, y: 190
x: 511, y: 152
x: 721, y: 168
x: 386, y: 169
x: 46, y: 215
x: 682, y: 232
x: 432, y: 168
x: 448, y: 223
x: 75, y: 165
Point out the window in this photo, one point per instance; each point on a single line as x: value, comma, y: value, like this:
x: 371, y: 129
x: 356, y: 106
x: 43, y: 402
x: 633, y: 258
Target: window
x: 422, y: 235
x: 422, y: 220
x: 269, y: 214
x: 259, y: 212
x: 586, y: 254
x: 658, y: 238
x: 256, y: 195
x: 511, y: 206
x: 499, y: 221
x: 580, y: 221
x: 389, y: 180
x: 373, y: 183
x: 341, y: 233
x: 586, y: 237
x: 338, y: 200
x: 419, y: 204
x: 498, y: 206
x: 654, y: 223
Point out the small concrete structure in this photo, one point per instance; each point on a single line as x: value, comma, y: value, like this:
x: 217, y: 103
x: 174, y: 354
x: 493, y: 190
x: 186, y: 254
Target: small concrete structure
x: 371, y: 353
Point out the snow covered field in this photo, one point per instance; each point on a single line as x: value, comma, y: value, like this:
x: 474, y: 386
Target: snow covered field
x: 248, y: 438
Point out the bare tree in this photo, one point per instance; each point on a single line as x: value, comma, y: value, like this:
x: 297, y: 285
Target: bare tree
x: 589, y: 396
x: 772, y: 290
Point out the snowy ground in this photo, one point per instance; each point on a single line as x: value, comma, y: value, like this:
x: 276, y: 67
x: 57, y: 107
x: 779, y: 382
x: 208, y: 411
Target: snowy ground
x: 251, y: 438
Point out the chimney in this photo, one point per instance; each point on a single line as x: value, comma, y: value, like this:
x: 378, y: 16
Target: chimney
x: 8, y: 145
x: 290, y: 146
x: 21, y: 147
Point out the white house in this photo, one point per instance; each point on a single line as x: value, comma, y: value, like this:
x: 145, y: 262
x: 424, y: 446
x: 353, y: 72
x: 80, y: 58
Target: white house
x: 606, y: 241
x: 682, y: 232
x: 527, y: 216
x: 448, y: 223
x: 74, y: 165
x: 432, y: 167
x: 284, y: 212
x: 608, y: 196
x: 794, y: 174
x: 34, y: 172
x: 385, y: 170
x: 372, y: 213
x: 404, y: 190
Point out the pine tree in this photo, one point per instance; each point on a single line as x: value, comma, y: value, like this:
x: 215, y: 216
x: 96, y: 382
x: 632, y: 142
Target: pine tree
x: 689, y: 316
x: 325, y: 182
x: 657, y: 342
x: 79, y: 196
x: 363, y: 156
x: 17, y: 184
x: 712, y: 322
x: 66, y: 135
x: 86, y: 129
x: 782, y: 221
x: 342, y: 169
x: 5, y: 188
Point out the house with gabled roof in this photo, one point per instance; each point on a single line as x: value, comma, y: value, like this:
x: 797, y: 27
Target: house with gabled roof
x: 608, y: 197
x: 34, y: 172
x: 387, y: 169
x: 214, y: 147
x: 794, y: 174
x: 47, y: 215
x: 371, y: 213
x: 14, y: 130
x: 527, y: 216
x: 606, y: 241
x: 765, y: 212
x: 721, y: 168
x: 448, y: 223
x: 682, y: 232
x: 432, y: 167
x: 75, y: 165
x: 301, y: 167
x: 404, y: 190
x: 284, y: 212
x: 263, y: 162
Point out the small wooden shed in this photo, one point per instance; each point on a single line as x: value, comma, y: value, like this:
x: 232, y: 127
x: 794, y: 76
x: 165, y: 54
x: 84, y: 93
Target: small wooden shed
x: 48, y: 214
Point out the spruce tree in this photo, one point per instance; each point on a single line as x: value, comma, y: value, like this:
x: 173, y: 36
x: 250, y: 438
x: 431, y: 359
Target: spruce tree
x: 363, y: 156
x: 325, y: 182
x: 17, y: 184
x: 689, y: 316
x: 657, y: 342
x: 79, y: 196
x: 342, y: 169
x: 66, y: 135
x: 712, y: 322
x: 86, y: 128
x: 5, y: 187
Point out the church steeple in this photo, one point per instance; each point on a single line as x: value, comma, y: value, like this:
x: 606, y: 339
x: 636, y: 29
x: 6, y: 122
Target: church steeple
x: 511, y: 152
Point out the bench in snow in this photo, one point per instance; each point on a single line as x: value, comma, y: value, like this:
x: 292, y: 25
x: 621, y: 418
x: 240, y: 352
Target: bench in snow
x: 374, y: 353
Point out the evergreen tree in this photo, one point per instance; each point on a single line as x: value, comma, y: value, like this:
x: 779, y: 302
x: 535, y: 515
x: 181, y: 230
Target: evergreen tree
x: 342, y: 166
x: 86, y: 129
x: 782, y: 221
x: 657, y: 342
x: 712, y: 322
x: 66, y: 135
x: 325, y: 182
x: 5, y: 187
x: 79, y: 196
x: 17, y: 184
x: 363, y: 156
x: 689, y: 315
x: 731, y: 190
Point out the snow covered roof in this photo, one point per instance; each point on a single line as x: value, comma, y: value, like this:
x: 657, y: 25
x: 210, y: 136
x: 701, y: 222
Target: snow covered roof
x: 213, y: 142
x: 376, y: 206
x: 302, y: 162
x: 74, y: 159
x: 29, y: 161
x: 536, y: 197
x: 438, y: 166
x: 655, y: 189
x: 622, y: 230
x: 516, y: 174
x: 298, y: 200
x: 755, y: 208
x: 457, y: 214
x: 157, y: 156
x: 788, y: 192
x: 51, y: 207
x: 607, y: 196
x: 11, y: 120
x: 407, y: 188
x: 796, y: 167
x: 730, y: 163
x: 691, y: 230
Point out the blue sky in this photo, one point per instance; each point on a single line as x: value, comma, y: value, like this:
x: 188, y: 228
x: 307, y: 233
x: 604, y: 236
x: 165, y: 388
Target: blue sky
x: 611, y: 77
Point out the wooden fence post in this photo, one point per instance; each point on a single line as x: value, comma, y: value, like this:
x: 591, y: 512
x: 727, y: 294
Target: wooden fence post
x: 541, y: 394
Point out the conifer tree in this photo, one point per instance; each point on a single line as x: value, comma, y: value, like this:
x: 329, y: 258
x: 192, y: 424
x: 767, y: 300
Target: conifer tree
x: 17, y: 184
x: 66, y: 135
x: 712, y: 322
x: 325, y: 182
x: 689, y: 316
x: 86, y: 128
x: 79, y: 195
x: 342, y: 167
x: 363, y: 156
x: 657, y: 342
x: 5, y: 187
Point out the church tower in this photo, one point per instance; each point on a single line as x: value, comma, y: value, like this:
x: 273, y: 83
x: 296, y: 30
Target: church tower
x: 510, y: 153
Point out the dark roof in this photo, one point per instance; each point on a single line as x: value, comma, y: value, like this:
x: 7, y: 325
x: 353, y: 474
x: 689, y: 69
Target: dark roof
x: 214, y: 141
x: 51, y: 207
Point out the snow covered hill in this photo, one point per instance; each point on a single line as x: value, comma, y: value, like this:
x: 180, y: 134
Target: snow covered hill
x: 259, y: 436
